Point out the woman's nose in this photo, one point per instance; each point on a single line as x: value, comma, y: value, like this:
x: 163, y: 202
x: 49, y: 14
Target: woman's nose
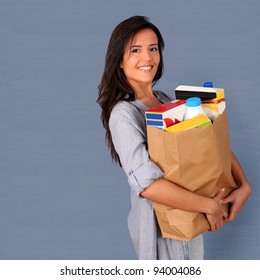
x: 146, y: 55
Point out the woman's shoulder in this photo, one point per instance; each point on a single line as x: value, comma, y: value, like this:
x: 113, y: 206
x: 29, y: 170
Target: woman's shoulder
x: 122, y: 106
x: 123, y: 109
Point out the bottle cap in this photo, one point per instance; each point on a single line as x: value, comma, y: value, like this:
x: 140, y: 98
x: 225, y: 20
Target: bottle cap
x: 208, y: 84
x: 193, y: 102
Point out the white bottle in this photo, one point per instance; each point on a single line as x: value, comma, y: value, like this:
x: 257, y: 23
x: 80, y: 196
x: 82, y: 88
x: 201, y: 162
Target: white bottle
x: 193, y: 108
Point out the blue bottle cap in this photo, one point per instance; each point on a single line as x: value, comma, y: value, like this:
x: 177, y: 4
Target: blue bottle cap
x: 208, y: 84
x: 193, y: 102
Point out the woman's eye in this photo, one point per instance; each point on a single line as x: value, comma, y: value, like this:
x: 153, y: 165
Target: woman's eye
x: 154, y: 49
x: 135, y: 51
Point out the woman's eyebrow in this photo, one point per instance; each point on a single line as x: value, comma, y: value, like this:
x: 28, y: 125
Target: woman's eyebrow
x: 139, y: 46
x: 136, y: 46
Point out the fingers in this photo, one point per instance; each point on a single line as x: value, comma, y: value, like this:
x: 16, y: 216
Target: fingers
x: 217, y: 226
x: 225, y: 215
x: 233, y: 213
x: 220, y: 193
x: 227, y: 199
x: 216, y: 220
x: 220, y: 224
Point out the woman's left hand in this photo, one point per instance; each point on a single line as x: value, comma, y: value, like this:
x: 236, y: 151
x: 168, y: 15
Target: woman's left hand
x: 237, y: 199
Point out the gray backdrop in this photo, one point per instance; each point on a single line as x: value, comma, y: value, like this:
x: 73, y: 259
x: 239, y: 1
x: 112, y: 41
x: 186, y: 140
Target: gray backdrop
x: 60, y: 196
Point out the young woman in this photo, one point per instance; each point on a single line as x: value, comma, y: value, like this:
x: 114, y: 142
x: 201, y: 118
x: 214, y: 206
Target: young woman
x: 134, y: 63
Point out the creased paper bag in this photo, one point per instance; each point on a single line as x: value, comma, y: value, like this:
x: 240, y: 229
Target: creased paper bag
x: 198, y: 160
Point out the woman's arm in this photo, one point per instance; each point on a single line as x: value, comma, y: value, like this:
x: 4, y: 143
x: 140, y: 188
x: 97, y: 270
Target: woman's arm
x: 239, y: 196
x: 169, y: 194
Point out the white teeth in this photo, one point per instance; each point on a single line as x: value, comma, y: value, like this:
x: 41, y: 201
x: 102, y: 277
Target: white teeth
x: 145, y: 68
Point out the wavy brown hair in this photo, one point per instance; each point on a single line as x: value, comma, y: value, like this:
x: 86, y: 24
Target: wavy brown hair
x: 114, y: 86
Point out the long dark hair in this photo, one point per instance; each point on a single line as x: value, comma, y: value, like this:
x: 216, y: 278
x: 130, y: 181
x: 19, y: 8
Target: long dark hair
x: 114, y: 86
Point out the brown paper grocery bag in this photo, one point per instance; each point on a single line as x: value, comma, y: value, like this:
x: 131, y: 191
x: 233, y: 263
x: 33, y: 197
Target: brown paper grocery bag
x: 197, y: 159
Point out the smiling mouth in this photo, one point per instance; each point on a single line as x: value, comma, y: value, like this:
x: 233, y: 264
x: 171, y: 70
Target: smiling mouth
x: 145, y: 68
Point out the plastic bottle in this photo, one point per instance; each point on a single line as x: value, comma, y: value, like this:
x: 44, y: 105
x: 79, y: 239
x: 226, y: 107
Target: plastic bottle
x: 208, y: 84
x: 193, y: 108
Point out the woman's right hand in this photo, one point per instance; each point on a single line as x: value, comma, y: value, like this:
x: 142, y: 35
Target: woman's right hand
x: 217, y: 214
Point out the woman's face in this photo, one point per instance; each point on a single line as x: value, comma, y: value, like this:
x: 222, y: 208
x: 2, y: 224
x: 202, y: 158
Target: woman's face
x: 141, y: 58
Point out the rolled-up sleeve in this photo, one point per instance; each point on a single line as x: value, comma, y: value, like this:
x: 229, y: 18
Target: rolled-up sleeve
x: 129, y: 138
x: 143, y: 176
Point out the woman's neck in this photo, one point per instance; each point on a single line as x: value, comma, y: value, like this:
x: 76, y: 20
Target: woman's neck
x: 145, y: 95
x: 147, y: 98
x: 144, y: 91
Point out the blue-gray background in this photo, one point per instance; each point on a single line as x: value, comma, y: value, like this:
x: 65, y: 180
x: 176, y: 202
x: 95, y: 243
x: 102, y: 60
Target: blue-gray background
x: 60, y: 196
